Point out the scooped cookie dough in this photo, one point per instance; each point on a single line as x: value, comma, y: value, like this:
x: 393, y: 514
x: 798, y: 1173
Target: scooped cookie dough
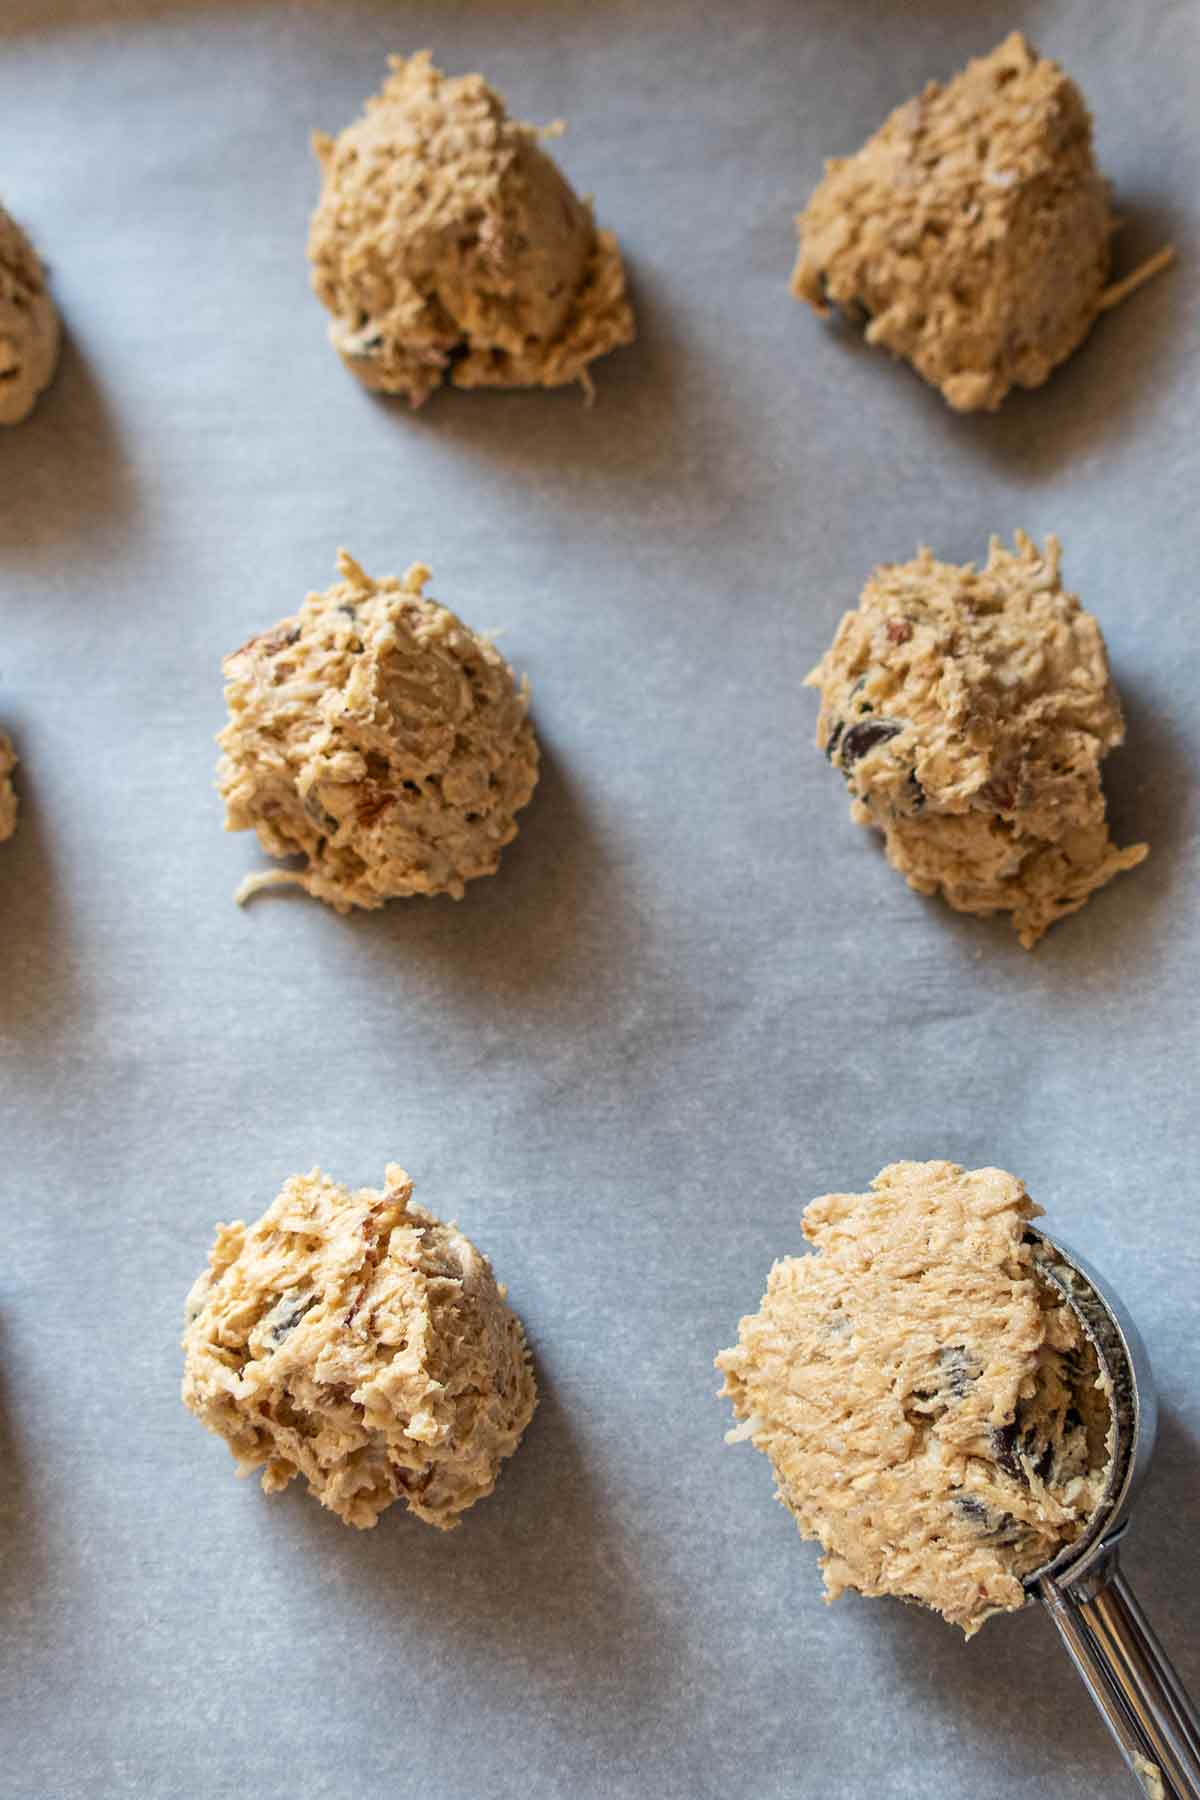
x: 355, y: 1340
x: 933, y: 1413
x: 29, y: 331
x: 447, y: 245
x: 969, y: 711
x: 8, y: 794
x: 973, y: 230
x: 378, y: 737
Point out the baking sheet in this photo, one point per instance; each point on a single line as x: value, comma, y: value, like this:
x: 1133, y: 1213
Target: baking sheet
x: 694, y: 997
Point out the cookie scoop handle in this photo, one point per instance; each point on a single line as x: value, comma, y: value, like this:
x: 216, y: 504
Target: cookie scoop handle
x: 1129, y: 1676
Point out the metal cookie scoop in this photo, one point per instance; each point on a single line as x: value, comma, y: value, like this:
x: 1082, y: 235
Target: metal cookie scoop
x: 1123, y: 1666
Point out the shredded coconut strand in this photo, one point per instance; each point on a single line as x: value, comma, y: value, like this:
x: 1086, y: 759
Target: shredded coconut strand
x: 1153, y: 265
x: 268, y: 878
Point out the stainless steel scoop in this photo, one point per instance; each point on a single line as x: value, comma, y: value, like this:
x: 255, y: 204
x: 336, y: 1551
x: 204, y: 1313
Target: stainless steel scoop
x: 1084, y: 1590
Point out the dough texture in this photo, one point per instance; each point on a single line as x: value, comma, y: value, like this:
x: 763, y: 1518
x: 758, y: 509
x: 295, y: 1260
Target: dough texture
x: 973, y: 229
x: 969, y: 711
x: 29, y: 330
x: 355, y: 1340
x: 448, y: 245
x: 8, y: 795
x: 378, y: 737
x: 934, y: 1414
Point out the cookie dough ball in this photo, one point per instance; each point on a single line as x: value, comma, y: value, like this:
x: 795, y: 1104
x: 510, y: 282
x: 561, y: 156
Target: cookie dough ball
x: 933, y: 1413
x: 8, y: 795
x: 973, y: 229
x: 355, y: 1340
x: 448, y: 245
x: 378, y: 737
x: 969, y: 711
x: 29, y: 330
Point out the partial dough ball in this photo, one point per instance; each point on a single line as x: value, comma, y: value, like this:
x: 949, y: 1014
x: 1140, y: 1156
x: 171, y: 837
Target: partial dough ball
x: 447, y: 245
x: 969, y: 711
x: 29, y: 331
x: 355, y: 1340
x: 8, y: 794
x: 934, y: 1414
x: 973, y: 229
x: 378, y: 737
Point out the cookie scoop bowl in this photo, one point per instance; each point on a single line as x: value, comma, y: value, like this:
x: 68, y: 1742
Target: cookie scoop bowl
x: 1083, y: 1587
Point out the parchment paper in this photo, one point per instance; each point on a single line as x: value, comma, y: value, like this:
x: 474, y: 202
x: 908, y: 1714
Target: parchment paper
x: 694, y: 997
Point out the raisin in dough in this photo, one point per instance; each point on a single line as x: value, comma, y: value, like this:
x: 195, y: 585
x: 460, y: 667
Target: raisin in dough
x: 8, y: 796
x: 447, y: 245
x: 378, y: 737
x: 969, y: 711
x: 973, y: 230
x: 934, y: 1414
x: 29, y: 330
x: 355, y: 1340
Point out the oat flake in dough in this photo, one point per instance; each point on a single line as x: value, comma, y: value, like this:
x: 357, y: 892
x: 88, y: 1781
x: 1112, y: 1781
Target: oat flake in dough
x: 969, y: 711
x: 356, y: 1341
x: 934, y: 1414
x: 29, y: 329
x: 448, y: 246
x: 972, y: 230
x: 378, y: 737
x: 8, y: 794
